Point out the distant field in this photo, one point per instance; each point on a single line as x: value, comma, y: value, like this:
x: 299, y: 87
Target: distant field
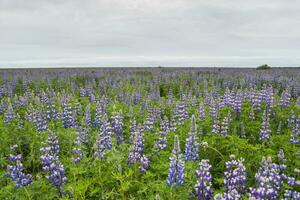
x: 150, y: 133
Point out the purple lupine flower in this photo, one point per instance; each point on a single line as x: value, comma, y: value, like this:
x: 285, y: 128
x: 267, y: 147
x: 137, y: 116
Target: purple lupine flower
x: 214, y: 93
x: 269, y: 97
x: 292, y: 192
x: 285, y: 98
x: 3, y: 90
x: 230, y: 195
x: 87, y: 116
x: 16, y: 170
x: 77, y: 151
x: 100, y: 110
x: 291, y: 119
x: 212, y: 109
x: 145, y: 164
x: 136, y: 97
x: 51, y: 164
x: 161, y: 142
x: 103, y: 143
x: 48, y: 109
x: 192, y: 145
x: 137, y: 148
x: 10, y: 114
x: 3, y: 106
x: 224, y: 126
x: 264, y: 133
x: 77, y: 108
x: 232, y: 98
x: 181, y: 113
x: 298, y: 102
x: 176, y: 167
x: 40, y: 121
x: 295, y: 136
x: 204, y: 181
x: 53, y: 110
x: 83, y: 136
x: 291, y: 195
x: 227, y: 97
x: 281, y: 159
x: 68, y: 116
x: 269, y: 181
x: 132, y: 130
x: 173, y: 124
x: 238, y: 103
x: 149, y: 123
x: 215, y: 126
x: 117, y: 125
x: 235, y: 177
x: 201, y: 111
x: 257, y: 101
x: 77, y: 155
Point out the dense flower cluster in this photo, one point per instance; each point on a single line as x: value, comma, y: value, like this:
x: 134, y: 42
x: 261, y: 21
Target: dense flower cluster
x: 224, y: 126
x: 216, y: 126
x: 103, y: 143
x: 291, y: 120
x: 162, y: 134
x: 16, y: 170
x: 51, y: 164
x: 181, y: 113
x: 137, y: 148
x: 68, y: 115
x: 201, y: 111
x: 176, y: 167
x: 235, y: 177
x: 265, y: 131
x: 204, y: 181
x: 192, y: 145
x: 83, y: 136
x: 285, y: 98
x: 149, y: 122
x: 100, y: 110
x: 40, y: 121
x: 295, y: 136
x: 77, y: 151
x: 238, y: 103
x: 145, y: 164
x: 117, y: 125
x: 268, y: 179
x: 87, y: 116
x: 10, y: 114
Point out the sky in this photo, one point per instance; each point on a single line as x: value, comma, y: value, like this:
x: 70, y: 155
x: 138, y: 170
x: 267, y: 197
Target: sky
x: 197, y: 33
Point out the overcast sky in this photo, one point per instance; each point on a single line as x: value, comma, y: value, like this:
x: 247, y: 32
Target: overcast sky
x: 149, y: 33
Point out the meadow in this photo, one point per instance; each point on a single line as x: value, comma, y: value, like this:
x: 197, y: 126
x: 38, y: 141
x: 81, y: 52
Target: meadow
x: 150, y: 133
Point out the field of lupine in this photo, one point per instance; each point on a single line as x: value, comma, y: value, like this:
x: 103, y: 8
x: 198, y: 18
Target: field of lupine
x: 150, y: 133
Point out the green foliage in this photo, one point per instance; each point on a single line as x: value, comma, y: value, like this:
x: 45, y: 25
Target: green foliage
x: 263, y: 67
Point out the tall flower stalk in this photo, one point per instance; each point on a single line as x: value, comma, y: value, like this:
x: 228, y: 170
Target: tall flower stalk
x: 265, y: 131
x: 176, y: 167
x: 204, y: 181
x: 192, y: 145
x: 16, y: 169
x: 51, y: 165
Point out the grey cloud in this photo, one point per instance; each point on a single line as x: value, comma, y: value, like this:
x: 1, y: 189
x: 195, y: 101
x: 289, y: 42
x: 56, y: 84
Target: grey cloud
x: 149, y: 32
